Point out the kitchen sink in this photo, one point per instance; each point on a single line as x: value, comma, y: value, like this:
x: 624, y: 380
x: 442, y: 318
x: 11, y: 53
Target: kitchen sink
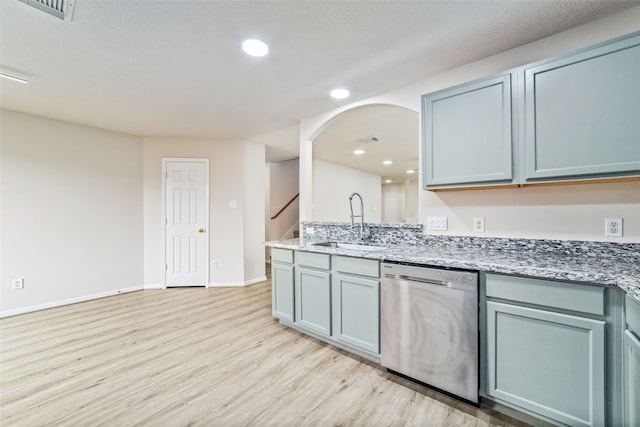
x: 351, y: 246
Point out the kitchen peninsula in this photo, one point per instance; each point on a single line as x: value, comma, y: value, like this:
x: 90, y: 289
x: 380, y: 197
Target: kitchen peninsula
x: 553, y: 306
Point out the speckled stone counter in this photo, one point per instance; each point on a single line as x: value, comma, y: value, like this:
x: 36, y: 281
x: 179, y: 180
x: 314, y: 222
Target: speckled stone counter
x: 601, y: 263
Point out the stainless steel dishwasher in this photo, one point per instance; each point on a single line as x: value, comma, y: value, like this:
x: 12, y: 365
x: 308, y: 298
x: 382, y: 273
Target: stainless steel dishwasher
x: 429, y: 327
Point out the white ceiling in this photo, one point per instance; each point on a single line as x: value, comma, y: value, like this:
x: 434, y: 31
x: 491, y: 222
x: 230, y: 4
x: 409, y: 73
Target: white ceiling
x: 175, y: 68
x: 397, y: 133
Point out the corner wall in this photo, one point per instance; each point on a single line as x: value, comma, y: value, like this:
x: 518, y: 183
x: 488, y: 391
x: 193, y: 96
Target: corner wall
x: 254, y: 203
x: 71, y: 212
x: 227, y: 232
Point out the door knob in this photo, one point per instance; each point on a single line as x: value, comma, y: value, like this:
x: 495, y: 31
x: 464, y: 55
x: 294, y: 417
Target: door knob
x: 201, y: 230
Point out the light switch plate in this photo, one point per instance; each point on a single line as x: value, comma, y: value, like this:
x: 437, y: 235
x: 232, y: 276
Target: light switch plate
x: 437, y: 223
x: 17, y: 284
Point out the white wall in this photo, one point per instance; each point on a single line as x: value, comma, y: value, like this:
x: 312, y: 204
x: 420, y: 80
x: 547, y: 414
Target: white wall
x: 332, y: 186
x: 226, y: 224
x: 71, y: 212
x: 567, y: 212
x: 282, y: 183
x: 254, y: 201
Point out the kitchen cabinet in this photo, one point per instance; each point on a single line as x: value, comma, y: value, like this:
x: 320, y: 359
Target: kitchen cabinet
x: 569, y: 118
x: 545, y: 348
x: 282, y: 284
x: 331, y: 297
x: 356, y: 303
x: 632, y: 363
x: 313, y: 292
x: 582, y: 114
x: 467, y: 134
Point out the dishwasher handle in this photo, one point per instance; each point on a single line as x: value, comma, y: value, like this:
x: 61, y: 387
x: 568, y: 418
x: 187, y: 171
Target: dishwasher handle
x: 422, y: 280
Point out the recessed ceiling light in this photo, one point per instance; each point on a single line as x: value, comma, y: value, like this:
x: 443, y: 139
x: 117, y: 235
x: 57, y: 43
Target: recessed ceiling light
x: 358, y: 152
x: 410, y: 171
x: 255, y: 47
x: 340, y: 93
x: 387, y: 181
x: 387, y: 162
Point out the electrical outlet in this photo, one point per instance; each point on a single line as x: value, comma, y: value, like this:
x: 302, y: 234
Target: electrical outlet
x: 478, y: 225
x: 17, y: 284
x: 613, y: 227
x: 437, y: 223
x: 214, y: 264
x: 310, y: 231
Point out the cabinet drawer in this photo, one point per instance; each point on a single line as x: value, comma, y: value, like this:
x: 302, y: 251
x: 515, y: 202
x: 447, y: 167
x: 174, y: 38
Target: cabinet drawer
x: 282, y: 255
x: 550, y: 293
x: 359, y: 266
x: 633, y: 315
x: 314, y: 260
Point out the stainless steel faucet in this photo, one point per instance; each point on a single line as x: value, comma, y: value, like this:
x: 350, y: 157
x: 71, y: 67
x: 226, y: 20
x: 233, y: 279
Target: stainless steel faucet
x: 361, y: 216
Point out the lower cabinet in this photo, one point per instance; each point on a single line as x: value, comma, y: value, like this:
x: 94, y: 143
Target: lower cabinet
x: 632, y: 379
x: 542, y: 356
x: 282, y: 284
x: 549, y: 363
x: 356, y: 312
x: 331, y: 297
x: 632, y: 364
x: 313, y: 300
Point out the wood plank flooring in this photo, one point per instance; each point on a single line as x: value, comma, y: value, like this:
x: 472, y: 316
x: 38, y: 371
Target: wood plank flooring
x: 196, y: 356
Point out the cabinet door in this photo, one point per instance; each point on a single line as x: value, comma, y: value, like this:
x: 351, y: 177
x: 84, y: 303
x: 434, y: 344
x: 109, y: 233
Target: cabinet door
x: 313, y: 300
x: 549, y: 363
x: 282, y: 291
x: 632, y: 379
x: 356, y: 313
x: 467, y: 135
x: 582, y: 114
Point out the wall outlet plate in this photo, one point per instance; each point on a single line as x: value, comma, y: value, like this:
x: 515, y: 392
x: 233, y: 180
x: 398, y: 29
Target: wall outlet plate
x: 478, y: 225
x: 613, y: 227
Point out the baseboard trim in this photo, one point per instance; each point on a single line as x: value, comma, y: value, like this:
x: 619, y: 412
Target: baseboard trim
x: 158, y: 286
x: 229, y: 284
x: 60, y: 303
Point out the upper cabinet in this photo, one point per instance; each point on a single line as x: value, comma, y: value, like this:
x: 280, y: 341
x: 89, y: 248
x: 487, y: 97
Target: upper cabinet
x: 575, y: 117
x: 467, y: 134
x: 582, y: 114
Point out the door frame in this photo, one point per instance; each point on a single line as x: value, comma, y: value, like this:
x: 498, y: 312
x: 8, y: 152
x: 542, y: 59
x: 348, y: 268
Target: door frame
x: 163, y: 217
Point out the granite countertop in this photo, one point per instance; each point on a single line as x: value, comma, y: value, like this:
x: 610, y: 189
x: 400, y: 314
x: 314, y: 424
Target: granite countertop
x: 591, y: 265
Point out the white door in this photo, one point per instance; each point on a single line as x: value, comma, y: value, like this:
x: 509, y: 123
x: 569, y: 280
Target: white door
x: 393, y: 206
x: 186, y: 234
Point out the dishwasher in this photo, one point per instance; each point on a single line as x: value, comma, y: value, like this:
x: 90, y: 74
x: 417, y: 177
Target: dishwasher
x: 429, y: 327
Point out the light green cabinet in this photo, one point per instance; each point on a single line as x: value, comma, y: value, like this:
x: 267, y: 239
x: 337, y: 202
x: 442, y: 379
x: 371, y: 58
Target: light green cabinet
x: 313, y: 292
x: 550, y: 363
x: 582, y: 114
x: 632, y: 364
x: 467, y: 134
x: 330, y: 297
x: 548, y: 360
x: 282, y: 284
x: 356, y: 303
x: 571, y: 118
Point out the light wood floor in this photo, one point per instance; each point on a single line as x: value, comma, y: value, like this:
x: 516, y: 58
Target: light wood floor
x: 195, y: 356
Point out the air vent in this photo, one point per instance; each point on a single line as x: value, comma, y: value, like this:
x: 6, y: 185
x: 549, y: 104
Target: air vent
x: 368, y: 139
x: 62, y: 9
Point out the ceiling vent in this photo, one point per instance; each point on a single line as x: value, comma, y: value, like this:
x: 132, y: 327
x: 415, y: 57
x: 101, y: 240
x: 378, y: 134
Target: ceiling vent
x: 62, y: 9
x: 368, y: 139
